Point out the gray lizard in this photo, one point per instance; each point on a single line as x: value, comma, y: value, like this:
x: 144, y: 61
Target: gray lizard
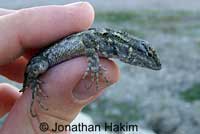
x: 93, y: 43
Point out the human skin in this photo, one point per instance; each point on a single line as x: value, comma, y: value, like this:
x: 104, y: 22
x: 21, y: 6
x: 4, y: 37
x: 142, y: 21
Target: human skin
x: 22, y: 33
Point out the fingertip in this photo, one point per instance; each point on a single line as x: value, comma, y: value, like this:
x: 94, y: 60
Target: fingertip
x: 49, y: 23
x: 86, y: 14
x: 8, y: 96
x: 7, y: 89
x: 5, y: 11
x: 89, y: 14
x: 36, y: 27
x: 113, y: 69
x: 109, y: 76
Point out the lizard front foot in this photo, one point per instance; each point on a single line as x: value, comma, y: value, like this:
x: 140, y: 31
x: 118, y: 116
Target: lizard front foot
x: 94, y: 69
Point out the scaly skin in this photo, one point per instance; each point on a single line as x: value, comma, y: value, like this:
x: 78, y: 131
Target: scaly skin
x: 93, y: 43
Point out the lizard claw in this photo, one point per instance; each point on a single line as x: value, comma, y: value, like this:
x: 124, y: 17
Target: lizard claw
x: 95, y: 73
x: 87, y: 72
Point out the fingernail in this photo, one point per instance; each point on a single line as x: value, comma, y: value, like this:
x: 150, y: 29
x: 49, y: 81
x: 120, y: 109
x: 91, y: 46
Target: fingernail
x: 76, y: 4
x: 84, y: 91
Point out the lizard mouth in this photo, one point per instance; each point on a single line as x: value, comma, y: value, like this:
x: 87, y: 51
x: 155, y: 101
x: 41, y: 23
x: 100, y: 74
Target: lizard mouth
x: 155, y: 64
x: 146, y: 61
x: 158, y: 66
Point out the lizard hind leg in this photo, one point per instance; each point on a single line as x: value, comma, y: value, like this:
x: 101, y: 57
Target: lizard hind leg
x: 37, y: 94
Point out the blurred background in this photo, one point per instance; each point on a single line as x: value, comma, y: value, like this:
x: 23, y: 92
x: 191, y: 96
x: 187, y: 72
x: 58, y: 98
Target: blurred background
x: 165, y: 101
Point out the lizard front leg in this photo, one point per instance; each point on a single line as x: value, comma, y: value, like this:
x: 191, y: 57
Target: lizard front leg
x: 94, y: 68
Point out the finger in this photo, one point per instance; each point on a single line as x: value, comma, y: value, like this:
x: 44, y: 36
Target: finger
x: 15, y: 70
x: 5, y: 11
x: 18, y: 76
x: 64, y: 99
x: 70, y: 89
x: 9, y: 70
x: 37, y: 27
x: 8, y: 96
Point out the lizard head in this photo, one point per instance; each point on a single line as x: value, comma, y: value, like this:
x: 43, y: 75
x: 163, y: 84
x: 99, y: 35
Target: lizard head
x: 130, y: 49
x: 140, y: 53
x: 136, y: 52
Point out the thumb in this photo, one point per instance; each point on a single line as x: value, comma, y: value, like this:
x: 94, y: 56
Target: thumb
x: 67, y: 95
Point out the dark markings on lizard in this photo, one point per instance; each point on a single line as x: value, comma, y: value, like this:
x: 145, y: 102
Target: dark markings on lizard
x: 93, y: 43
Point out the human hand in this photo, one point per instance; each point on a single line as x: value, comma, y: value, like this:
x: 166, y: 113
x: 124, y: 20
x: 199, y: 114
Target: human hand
x: 22, y: 33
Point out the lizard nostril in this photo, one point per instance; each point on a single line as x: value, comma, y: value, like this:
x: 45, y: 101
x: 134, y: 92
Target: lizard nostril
x: 142, y: 47
x: 150, y: 54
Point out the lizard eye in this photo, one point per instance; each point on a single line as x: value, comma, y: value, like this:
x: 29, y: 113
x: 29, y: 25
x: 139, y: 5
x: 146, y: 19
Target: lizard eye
x: 142, y: 48
x: 105, y: 33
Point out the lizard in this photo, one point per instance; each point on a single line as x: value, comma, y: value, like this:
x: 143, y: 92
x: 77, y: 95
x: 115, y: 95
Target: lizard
x: 92, y: 43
